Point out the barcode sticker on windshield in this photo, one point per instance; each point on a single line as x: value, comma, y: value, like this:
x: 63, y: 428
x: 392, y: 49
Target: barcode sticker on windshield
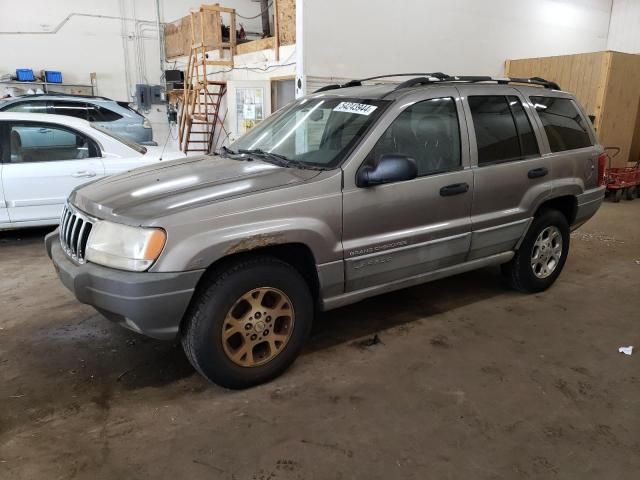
x: 352, y: 107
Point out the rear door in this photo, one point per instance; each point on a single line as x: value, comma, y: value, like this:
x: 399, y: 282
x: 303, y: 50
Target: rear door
x: 36, y: 178
x: 401, y: 230
x: 571, y: 142
x: 510, y: 174
x: 4, y: 213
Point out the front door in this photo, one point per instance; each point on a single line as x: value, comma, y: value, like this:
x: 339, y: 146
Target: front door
x: 396, y: 231
x: 510, y: 175
x: 4, y: 214
x: 37, y: 178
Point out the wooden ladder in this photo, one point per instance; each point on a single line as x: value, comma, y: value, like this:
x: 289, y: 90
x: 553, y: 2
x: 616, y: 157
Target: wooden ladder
x: 200, y: 113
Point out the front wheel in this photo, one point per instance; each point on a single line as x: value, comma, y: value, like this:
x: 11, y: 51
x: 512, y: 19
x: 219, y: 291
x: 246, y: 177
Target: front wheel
x: 542, y: 255
x: 247, y: 324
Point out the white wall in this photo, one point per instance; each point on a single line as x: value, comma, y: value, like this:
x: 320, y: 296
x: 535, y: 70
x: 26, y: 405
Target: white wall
x: 359, y: 38
x: 624, y: 31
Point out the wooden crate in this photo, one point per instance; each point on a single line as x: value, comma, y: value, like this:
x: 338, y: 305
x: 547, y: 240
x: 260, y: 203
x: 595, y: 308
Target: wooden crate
x: 606, y: 83
x: 177, y: 35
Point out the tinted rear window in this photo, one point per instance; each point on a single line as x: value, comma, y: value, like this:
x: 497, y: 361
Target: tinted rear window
x: 503, y: 131
x: 563, y: 124
x: 101, y: 114
x: 72, y: 109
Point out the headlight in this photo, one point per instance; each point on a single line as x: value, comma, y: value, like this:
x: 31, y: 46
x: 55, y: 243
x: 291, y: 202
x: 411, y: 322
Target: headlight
x: 124, y: 247
x: 146, y: 123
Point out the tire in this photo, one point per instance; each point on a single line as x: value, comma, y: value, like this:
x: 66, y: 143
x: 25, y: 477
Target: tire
x: 520, y: 272
x: 630, y: 193
x: 617, y: 195
x: 227, y: 300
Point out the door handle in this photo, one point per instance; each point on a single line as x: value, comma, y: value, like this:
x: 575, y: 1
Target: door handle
x: 454, y: 189
x: 84, y: 174
x: 538, y: 172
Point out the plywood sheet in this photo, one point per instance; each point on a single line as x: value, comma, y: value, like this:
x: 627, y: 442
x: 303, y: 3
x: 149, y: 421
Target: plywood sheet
x: 173, y: 39
x: 583, y: 75
x: 620, y: 105
x: 286, y: 21
x: 255, y: 45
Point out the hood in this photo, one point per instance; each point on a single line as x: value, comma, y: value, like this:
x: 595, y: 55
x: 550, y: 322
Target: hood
x: 160, y: 189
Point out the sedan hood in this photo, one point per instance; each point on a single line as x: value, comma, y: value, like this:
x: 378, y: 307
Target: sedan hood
x: 159, y: 153
x: 160, y: 189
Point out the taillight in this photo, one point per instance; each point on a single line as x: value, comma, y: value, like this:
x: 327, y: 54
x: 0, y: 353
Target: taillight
x: 602, y: 168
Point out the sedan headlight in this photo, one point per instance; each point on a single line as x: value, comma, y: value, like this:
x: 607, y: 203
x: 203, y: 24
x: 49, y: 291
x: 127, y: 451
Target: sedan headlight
x: 124, y: 247
x: 146, y: 123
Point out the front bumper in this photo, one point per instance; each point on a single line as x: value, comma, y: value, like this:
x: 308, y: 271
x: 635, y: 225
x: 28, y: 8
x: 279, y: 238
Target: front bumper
x: 588, y: 204
x: 152, y: 304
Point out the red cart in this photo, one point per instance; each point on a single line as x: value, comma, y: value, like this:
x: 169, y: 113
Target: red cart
x: 621, y: 181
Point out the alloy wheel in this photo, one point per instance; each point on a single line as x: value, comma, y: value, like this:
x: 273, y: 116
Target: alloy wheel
x: 258, y: 327
x: 546, y: 252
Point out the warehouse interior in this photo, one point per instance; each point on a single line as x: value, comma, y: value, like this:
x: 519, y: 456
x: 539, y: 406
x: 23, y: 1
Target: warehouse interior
x: 173, y: 174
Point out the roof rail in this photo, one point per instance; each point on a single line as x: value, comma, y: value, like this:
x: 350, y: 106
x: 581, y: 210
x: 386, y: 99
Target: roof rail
x: 358, y: 83
x: 56, y: 94
x: 475, y: 79
x: 439, y: 77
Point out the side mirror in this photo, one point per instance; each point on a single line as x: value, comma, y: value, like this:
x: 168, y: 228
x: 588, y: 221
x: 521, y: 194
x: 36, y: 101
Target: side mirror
x: 389, y: 168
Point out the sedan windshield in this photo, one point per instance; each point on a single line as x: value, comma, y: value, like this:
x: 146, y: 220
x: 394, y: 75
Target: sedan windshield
x: 311, y: 133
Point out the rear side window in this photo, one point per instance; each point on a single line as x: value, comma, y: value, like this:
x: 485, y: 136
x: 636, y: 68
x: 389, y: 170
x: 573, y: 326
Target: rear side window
x: 428, y: 132
x: 28, y: 107
x: 503, y: 131
x: 563, y: 124
x: 72, y: 109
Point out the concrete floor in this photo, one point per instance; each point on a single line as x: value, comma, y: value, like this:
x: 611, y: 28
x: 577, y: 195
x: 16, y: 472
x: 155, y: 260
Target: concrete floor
x: 471, y: 381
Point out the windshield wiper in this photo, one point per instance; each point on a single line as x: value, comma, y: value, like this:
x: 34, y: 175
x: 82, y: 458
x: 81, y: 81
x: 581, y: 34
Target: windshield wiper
x: 278, y: 159
x: 229, y: 153
x: 228, y: 150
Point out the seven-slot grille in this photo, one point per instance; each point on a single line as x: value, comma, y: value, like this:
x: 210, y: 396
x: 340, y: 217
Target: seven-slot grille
x: 74, y: 233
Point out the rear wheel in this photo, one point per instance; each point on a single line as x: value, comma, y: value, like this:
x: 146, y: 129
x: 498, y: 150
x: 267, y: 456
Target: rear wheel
x: 248, y: 324
x: 542, y: 255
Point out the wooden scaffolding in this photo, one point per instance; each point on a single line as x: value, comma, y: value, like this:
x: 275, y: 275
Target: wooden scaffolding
x: 200, y: 113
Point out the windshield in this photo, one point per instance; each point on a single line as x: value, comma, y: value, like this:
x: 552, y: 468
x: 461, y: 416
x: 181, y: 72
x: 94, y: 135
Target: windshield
x: 317, y: 132
x: 131, y: 144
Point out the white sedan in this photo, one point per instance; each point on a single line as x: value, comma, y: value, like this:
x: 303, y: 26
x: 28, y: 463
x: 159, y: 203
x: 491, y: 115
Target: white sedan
x: 44, y: 157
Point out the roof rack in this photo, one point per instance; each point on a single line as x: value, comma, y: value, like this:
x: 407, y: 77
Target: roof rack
x: 439, y: 77
x: 56, y: 94
x: 358, y: 83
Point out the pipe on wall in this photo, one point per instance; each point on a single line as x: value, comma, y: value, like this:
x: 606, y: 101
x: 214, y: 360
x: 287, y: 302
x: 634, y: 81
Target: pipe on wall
x: 125, y: 50
x: 58, y: 27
